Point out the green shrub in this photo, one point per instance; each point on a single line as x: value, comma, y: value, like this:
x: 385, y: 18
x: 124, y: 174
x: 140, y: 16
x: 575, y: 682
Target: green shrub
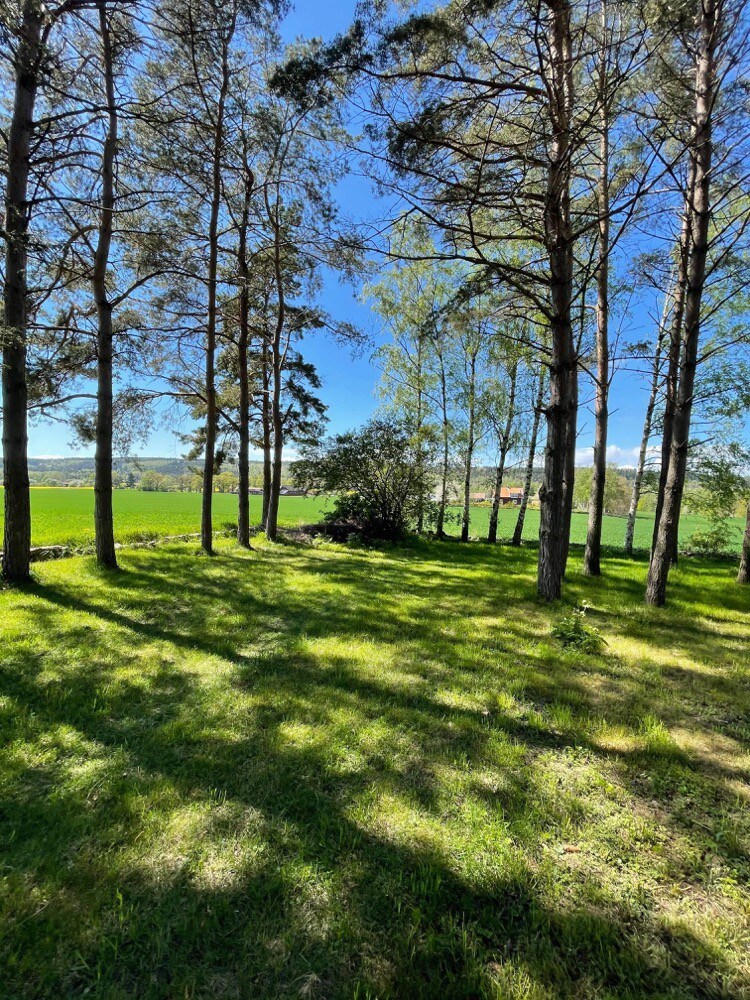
x: 573, y: 631
x: 378, y: 473
x: 712, y: 540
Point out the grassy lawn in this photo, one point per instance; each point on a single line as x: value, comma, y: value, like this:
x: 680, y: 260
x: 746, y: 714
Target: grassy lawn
x: 65, y: 516
x: 332, y: 773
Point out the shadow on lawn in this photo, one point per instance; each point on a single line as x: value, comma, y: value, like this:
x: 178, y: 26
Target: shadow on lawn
x: 318, y: 901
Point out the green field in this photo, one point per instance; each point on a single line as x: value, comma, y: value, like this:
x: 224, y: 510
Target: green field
x: 613, y: 528
x: 317, y: 772
x: 65, y: 516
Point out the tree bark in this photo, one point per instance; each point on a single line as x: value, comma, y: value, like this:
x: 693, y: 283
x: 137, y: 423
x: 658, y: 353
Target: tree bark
x: 518, y: 532
x: 267, y: 436
x: 17, y: 529
x: 648, y: 420
x: 673, y: 358
x: 243, y: 456
x: 556, y: 493
x: 440, y: 526
x: 272, y: 516
x: 504, y: 448
x: 277, y: 364
x: 699, y: 212
x: 466, y: 516
x: 593, y: 551
x: 103, y: 514
x: 209, y: 461
x: 420, y: 424
x: 743, y: 575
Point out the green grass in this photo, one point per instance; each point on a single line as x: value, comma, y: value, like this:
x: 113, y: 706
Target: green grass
x: 65, y: 516
x: 613, y: 528
x: 334, y: 773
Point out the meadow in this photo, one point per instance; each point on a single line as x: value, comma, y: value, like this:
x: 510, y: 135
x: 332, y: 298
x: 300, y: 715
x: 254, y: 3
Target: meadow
x: 65, y: 517
x: 328, y: 772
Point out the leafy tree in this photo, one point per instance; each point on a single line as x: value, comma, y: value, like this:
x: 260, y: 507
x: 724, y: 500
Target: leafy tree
x: 743, y: 574
x: 152, y: 481
x: 27, y: 30
x: 720, y: 485
x: 711, y: 242
x: 616, y: 496
x: 376, y: 472
x: 408, y: 298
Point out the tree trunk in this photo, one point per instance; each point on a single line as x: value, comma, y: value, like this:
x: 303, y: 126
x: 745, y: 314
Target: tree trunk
x: 420, y: 424
x: 699, y: 210
x: 440, y: 527
x: 104, y: 527
x: 518, y: 532
x: 466, y: 516
x: 243, y: 456
x: 504, y: 448
x: 267, y: 437
x: 17, y: 529
x: 556, y: 493
x: 272, y: 517
x: 639, y: 472
x: 209, y: 461
x: 420, y: 519
x: 277, y: 364
x: 593, y: 551
x: 743, y: 576
x: 673, y: 359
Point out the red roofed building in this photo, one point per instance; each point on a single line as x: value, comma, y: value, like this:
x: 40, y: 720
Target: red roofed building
x: 511, y: 494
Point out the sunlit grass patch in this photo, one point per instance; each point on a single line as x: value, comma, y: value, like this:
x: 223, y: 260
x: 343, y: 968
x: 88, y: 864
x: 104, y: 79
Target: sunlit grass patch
x: 315, y: 771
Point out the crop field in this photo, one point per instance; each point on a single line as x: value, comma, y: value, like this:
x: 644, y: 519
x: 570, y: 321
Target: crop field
x: 613, y: 529
x: 65, y: 517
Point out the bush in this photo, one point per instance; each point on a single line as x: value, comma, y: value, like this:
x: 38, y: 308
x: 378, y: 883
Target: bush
x: 379, y: 474
x: 713, y: 540
x: 573, y: 631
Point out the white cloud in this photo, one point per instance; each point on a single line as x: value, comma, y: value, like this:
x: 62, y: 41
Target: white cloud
x: 289, y: 454
x: 616, y: 455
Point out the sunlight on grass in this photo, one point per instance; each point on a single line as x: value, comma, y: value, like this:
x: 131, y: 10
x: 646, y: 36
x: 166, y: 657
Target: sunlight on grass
x: 314, y: 771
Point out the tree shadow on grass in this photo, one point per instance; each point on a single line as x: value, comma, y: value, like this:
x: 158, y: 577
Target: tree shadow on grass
x: 404, y: 922
x: 273, y: 830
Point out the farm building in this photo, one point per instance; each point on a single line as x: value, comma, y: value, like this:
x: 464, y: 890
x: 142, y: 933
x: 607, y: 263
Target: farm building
x: 508, y: 494
x: 511, y: 494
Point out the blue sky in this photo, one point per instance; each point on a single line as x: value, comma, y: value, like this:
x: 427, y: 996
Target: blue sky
x: 349, y: 382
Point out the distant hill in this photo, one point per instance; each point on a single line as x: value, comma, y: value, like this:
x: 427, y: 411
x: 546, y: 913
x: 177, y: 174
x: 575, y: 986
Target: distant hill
x: 75, y: 465
x: 79, y: 471
x: 128, y: 472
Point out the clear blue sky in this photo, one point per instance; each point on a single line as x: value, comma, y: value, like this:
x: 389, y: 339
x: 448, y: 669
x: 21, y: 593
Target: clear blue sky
x: 349, y: 383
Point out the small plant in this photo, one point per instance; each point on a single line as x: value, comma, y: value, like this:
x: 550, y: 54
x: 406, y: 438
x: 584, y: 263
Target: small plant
x: 572, y: 630
x: 713, y: 540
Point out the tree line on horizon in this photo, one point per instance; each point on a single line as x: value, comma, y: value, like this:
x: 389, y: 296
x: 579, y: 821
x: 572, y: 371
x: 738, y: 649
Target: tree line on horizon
x: 171, y: 209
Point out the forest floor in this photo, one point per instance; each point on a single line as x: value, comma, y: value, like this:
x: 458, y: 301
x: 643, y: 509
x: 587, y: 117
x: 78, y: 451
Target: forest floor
x: 328, y: 772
